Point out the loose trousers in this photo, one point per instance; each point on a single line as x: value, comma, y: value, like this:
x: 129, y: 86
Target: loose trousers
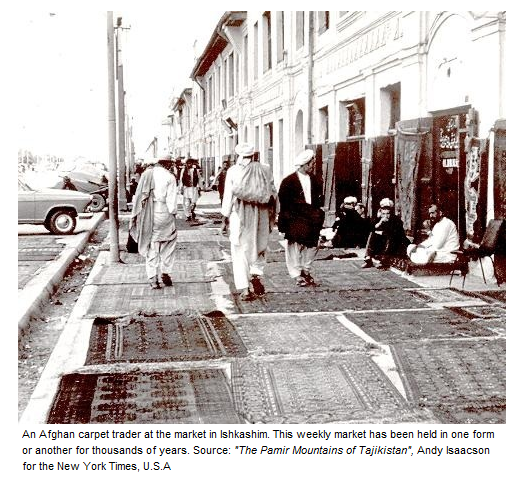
x: 298, y: 258
x: 160, y: 258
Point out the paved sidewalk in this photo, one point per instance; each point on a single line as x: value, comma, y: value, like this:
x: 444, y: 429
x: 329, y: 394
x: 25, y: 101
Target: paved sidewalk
x: 40, y: 286
x: 363, y: 346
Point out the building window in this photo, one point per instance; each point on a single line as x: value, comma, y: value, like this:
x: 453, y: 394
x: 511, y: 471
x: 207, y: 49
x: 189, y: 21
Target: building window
x: 267, y: 41
x: 390, y: 107
x: 281, y: 152
x: 280, y: 36
x: 323, y: 21
x: 299, y: 30
x: 353, y: 117
x: 210, y: 94
x: 256, y: 50
x: 218, y: 86
x: 231, y: 75
x: 323, y: 124
x: 269, y: 143
x: 204, y: 101
x: 245, y: 61
x: 256, y: 138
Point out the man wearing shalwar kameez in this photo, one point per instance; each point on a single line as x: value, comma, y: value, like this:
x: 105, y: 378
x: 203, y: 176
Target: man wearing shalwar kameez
x: 153, y: 221
x: 301, y: 218
x: 249, y: 223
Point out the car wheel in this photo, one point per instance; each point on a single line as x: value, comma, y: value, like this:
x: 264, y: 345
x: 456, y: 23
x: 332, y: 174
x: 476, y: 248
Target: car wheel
x: 97, y: 203
x: 62, y: 223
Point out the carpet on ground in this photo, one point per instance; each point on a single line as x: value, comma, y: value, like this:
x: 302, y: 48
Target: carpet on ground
x: 170, y: 397
x: 310, y: 299
x: 38, y: 254
x: 351, y: 388
x: 181, y: 337
x: 442, y: 295
x: 389, y: 327
x: 119, y: 273
x: 490, y: 411
x: 296, y: 334
x: 26, y: 272
x: 118, y: 300
x: 443, y: 372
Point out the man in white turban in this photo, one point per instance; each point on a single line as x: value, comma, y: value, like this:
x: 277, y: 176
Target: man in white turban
x: 153, y: 220
x: 301, y: 217
x: 249, y: 207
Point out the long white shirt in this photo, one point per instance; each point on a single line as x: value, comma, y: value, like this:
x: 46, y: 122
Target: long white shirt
x: 306, y: 184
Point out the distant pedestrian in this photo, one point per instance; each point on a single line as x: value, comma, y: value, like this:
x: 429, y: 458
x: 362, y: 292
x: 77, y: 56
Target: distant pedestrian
x: 190, y: 186
x: 249, y: 208
x: 301, y: 217
x: 220, y: 179
x: 347, y: 225
x: 153, y: 221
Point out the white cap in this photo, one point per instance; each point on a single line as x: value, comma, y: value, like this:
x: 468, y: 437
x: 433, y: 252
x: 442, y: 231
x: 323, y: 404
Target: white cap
x: 150, y: 161
x: 386, y: 202
x: 244, y: 150
x: 350, y: 199
x: 304, y: 157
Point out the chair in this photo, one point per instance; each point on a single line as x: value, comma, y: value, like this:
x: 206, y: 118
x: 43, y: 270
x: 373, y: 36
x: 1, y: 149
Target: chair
x: 493, y: 242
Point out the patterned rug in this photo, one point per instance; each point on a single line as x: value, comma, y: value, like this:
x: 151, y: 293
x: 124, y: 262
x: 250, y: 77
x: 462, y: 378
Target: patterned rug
x: 310, y: 299
x: 329, y: 276
x: 172, y: 397
x: 481, y: 311
x: 27, y: 271
x: 296, y: 334
x: 444, y: 295
x: 491, y: 295
x: 442, y: 372
x: 199, y: 235
x: 180, y: 337
x: 120, y: 273
x: 351, y: 389
x: 390, y: 327
x: 118, y: 300
x: 184, y: 252
x: 39, y: 254
x: 491, y: 411
x: 39, y: 241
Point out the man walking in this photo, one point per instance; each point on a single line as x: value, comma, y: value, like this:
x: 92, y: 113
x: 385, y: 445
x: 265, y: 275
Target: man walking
x: 249, y: 208
x: 153, y: 221
x: 441, y: 242
x: 301, y: 218
x: 189, y: 180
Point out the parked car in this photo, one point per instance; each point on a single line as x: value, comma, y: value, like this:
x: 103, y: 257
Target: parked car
x: 56, y: 209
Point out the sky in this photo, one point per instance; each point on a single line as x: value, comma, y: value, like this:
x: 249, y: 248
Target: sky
x: 62, y: 84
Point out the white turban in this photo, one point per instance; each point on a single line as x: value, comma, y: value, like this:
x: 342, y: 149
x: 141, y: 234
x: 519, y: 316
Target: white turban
x: 304, y: 157
x: 386, y: 202
x: 245, y: 150
x: 350, y: 199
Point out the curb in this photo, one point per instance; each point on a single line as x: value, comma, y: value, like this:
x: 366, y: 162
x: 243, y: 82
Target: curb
x: 38, y: 290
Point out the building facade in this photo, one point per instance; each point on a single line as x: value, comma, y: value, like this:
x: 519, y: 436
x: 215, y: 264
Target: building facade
x: 408, y: 105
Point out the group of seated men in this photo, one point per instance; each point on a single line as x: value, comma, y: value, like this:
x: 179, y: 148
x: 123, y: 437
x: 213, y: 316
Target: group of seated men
x: 385, y: 239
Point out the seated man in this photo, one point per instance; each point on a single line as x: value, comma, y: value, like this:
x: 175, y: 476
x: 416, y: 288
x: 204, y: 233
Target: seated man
x: 347, y: 225
x: 386, y: 240
x: 442, y: 240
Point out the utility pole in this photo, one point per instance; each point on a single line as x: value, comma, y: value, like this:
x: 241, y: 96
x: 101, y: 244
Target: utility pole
x: 122, y: 183
x: 113, y: 185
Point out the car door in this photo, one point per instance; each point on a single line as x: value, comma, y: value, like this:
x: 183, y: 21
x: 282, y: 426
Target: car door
x: 26, y: 203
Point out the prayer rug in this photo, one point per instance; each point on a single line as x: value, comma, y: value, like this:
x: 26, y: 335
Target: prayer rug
x: 481, y: 312
x: 329, y: 276
x: 491, y: 295
x: 296, y: 334
x: 490, y: 411
x: 119, y: 273
x: 171, y: 397
x: 200, y: 235
x: 308, y: 299
x: 39, y: 241
x: 184, y: 252
x: 444, y: 295
x: 38, y: 254
x: 118, y: 300
x: 181, y: 337
x: 390, y: 327
x: 442, y: 371
x: 349, y: 388
x: 26, y: 272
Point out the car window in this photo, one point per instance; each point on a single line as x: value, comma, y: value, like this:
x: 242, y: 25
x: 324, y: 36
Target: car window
x: 23, y: 186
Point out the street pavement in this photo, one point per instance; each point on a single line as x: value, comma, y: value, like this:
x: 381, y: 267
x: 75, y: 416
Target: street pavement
x: 363, y: 346
x: 43, y: 259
